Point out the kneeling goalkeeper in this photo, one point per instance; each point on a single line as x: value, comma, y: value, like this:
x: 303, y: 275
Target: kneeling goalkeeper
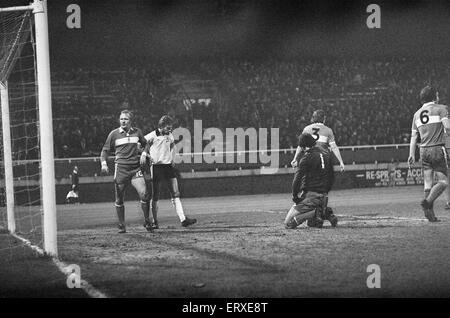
x: 317, y: 177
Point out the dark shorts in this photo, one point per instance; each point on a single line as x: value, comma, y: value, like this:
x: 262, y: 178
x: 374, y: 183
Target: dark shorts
x: 435, y: 158
x: 163, y: 172
x: 310, y: 203
x: 124, y: 173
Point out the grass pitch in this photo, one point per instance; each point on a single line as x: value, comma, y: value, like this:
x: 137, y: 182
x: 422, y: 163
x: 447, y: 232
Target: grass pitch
x: 239, y: 248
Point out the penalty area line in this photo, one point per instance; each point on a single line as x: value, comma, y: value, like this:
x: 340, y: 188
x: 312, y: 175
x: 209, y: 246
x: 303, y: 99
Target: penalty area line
x: 386, y: 217
x: 357, y: 217
x: 90, y: 290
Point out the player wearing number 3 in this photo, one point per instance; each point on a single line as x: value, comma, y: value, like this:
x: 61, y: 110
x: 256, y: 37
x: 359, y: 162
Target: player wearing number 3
x: 431, y: 123
x: 323, y: 135
x: 124, y: 141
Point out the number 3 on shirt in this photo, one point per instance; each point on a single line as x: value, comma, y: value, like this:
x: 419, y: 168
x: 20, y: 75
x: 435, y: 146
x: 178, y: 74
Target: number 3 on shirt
x: 316, y: 133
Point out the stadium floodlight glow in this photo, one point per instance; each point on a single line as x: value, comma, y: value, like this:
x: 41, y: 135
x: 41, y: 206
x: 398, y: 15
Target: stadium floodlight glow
x: 39, y: 9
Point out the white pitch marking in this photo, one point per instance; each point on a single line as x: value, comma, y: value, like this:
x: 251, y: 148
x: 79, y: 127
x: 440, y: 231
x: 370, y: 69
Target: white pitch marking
x: 361, y: 217
x: 87, y: 288
x: 367, y: 217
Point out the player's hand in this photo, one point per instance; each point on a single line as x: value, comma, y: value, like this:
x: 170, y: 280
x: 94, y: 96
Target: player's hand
x: 105, y: 168
x: 294, y: 163
x: 411, y: 160
x: 342, y: 167
x: 143, y: 159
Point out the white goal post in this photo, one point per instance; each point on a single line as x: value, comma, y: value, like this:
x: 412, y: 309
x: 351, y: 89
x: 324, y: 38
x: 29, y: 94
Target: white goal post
x: 39, y: 9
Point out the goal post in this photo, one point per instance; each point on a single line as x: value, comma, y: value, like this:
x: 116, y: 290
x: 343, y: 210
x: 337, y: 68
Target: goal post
x: 45, y: 126
x: 46, y: 130
x: 7, y: 157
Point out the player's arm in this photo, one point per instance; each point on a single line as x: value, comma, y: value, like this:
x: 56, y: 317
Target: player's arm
x: 446, y: 121
x: 335, y: 149
x: 173, y: 148
x: 105, y: 153
x: 298, y: 152
x: 303, y: 165
x: 294, y: 161
x: 413, y: 143
x: 146, y: 153
x: 331, y: 176
x: 337, y: 153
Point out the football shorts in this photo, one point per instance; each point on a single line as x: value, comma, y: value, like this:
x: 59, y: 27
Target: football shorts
x: 124, y: 173
x: 434, y: 157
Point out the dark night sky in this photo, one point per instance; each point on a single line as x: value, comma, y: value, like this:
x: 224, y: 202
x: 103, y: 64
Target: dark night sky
x: 117, y: 30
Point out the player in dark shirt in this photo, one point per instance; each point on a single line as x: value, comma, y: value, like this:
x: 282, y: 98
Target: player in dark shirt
x: 317, y: 177
x: 124, y: 142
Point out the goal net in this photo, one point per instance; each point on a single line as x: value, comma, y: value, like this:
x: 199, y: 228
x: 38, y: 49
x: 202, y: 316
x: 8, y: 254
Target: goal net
x: 22, y: 169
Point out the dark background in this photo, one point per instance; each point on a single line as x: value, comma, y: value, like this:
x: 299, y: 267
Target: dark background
x: 115, y: 30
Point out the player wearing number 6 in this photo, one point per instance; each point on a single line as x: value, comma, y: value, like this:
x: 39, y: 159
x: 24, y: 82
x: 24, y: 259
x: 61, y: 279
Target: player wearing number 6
x: 124, y: 141
x: 431, y: 123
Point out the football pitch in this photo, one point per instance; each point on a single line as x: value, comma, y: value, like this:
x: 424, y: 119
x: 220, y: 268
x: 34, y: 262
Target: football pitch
x: 239, y: 248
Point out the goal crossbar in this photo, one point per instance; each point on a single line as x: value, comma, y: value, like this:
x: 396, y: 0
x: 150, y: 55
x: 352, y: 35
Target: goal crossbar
x: 19, y: 8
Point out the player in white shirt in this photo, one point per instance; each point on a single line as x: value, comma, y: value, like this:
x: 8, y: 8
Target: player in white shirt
x: 160, y: 150
x: 323, y: 135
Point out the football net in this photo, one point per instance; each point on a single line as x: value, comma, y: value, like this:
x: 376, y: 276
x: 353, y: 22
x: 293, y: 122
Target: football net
x: 21, y: 165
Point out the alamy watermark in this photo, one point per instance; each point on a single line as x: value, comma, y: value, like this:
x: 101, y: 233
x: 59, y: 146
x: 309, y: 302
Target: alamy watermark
x: 74, y: 277
x: 234, y: 145
x: 374, y: 279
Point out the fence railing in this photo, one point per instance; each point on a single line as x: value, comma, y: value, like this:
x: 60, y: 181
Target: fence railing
x: 230, y: 160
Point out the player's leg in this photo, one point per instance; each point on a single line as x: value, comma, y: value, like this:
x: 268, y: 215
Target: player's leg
x: 156, y: 185
x: 172, y: 184
x: 435, y: 163
x: 303, y: 211
x: 120, y: 208
x: 323, y: 212
x: 436, y: 190
x: 439, y: 187
x: 138, y: 182
x: 77, y: 193
x: 426, y: 156
x: 434, y: 193
x: 447, y: 190
x: 122, y: 178
x: 298, y: 214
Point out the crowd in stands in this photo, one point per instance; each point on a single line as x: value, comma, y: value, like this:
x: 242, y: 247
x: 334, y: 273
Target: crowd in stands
x: 368, y: 102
